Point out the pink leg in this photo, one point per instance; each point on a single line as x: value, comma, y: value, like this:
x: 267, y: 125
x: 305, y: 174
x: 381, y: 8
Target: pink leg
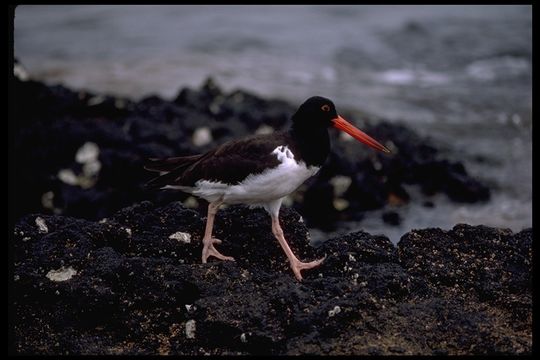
x: 296, y: 264
x: 208, y: 240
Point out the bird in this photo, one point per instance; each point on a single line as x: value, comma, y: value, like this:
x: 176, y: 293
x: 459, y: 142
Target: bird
x: 259, y: 170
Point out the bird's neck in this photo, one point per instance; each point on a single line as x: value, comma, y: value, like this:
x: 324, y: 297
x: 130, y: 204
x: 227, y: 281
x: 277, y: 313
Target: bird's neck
x: 313, y: 143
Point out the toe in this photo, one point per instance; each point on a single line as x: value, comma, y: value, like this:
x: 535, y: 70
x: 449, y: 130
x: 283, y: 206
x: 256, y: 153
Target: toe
x: 212, y: 251
x: 297, y: 274
x: 299, y: 266
x: 311, y: 264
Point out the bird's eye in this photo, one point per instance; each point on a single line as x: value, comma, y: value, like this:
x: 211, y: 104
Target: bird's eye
x: 325, y: 108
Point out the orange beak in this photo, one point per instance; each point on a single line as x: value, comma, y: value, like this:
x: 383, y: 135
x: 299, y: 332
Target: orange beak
x: 343, y: 125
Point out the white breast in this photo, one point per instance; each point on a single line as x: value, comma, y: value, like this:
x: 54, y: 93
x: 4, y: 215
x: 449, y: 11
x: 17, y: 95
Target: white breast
x: 271, y: 184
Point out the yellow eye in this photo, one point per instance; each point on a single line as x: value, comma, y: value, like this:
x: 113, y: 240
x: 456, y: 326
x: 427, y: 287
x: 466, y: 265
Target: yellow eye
x: 325, y: 108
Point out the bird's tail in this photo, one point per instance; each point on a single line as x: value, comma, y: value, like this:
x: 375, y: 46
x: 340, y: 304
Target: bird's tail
x: 160, y: 181
x: 169, y: 164
x: 169, y: 169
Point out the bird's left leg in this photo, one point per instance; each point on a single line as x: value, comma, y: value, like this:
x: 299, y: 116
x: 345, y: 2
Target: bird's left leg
x: 296, y: 265
x: 208, y: 240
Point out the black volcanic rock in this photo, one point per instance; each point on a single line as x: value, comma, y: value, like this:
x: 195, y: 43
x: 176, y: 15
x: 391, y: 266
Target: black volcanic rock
x: 133, y: 284
x: 493, y: 265
x: 391, y: 217
x: 53, y: 123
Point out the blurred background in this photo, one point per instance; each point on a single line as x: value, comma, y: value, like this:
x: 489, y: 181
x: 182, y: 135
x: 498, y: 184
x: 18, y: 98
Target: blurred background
x: 460, y: 75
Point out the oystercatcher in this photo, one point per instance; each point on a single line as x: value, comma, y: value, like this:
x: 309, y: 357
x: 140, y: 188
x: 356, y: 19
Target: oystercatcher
x: 259, y: 170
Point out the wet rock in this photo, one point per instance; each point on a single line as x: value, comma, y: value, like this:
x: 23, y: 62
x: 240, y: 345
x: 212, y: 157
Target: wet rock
x: 128, y: 287
x: 420, y: 162
x: 318, y: 205
x: 392, y: 218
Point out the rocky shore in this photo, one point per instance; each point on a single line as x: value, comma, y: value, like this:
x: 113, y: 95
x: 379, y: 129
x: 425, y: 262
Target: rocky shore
x: 103, y: 266
x: 133, y: 284
x: 81, y: 154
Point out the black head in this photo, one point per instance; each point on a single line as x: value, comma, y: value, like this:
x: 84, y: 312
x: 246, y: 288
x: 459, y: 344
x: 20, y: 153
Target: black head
x: 315, y: 112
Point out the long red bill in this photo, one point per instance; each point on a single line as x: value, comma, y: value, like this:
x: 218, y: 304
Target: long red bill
x: 343, y: 125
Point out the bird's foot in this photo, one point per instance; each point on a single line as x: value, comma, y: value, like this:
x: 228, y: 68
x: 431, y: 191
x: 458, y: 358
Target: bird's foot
x: 210, y: 250
x: 297, y: 266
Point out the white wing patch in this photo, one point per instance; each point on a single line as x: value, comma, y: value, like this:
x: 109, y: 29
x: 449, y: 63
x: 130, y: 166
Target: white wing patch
x: 282, y: 153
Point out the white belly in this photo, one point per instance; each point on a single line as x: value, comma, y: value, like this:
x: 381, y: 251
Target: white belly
x: 259, y: 189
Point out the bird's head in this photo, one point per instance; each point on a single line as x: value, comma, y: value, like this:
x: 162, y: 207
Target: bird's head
x: 318, y: 112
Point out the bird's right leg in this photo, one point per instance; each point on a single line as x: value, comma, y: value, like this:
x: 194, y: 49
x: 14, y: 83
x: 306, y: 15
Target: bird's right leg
x: 208, y: 240
x: 296, y: 265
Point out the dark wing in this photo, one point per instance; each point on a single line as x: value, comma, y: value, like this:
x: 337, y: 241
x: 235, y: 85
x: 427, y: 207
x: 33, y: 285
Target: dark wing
x: 229, y: 163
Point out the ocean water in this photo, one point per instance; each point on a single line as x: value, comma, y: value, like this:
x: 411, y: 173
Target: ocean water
x: 461, y: 75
